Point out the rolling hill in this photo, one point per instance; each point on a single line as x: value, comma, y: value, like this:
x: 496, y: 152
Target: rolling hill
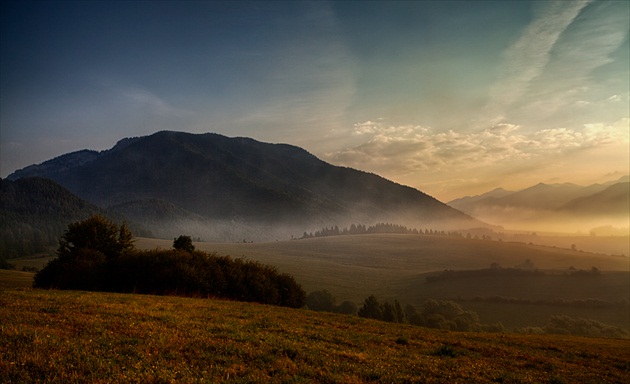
x: 213, y: 181
x: 395, y: 266
x: 553, y: 207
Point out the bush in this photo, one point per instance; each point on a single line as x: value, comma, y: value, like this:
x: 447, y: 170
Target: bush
x: 583, y: 327
x: 93, y: 257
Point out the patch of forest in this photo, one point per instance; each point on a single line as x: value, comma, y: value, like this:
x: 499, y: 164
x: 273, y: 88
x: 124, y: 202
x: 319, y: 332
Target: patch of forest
x: 360, y: 229
x: 450, y: 315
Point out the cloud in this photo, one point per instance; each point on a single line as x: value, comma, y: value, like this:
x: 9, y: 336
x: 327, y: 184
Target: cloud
x: 558, y: 69
x: 526, y: 58
x: 144, y: 99
x: 408, y: 148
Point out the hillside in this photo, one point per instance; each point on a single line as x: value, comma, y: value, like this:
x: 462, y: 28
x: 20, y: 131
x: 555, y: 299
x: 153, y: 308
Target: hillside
x: 553, y: 207
x: 238, y: 181
x: 34, y: 212
x: 393, y: 266
x: 611, y: 200
x: 131, y: 338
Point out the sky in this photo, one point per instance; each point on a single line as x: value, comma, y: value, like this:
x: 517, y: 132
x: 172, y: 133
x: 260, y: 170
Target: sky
x: 453, y: 98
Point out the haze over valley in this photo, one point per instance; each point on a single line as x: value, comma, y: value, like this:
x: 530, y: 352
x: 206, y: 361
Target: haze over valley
x: 457, y: 165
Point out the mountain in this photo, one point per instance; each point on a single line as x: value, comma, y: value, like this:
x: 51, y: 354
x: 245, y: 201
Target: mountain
x: 612, y: 200
x: 596, y: 204
x: 468, y: 200
x: 238, y: 182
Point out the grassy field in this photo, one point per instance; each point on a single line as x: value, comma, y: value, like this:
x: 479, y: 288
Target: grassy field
x: 350, y: 266
x: 78, y: 337
x: 395, y: 267
x: 15, y: 279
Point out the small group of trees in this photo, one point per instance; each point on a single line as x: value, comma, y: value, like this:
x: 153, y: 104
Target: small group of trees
x: 359, y: 229
x: 566, y: 325
x: 441, y: 314
x: 325, y: 301
x: 98, y: 255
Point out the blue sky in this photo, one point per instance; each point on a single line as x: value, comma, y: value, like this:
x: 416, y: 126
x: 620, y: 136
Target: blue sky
x: 452, y: 98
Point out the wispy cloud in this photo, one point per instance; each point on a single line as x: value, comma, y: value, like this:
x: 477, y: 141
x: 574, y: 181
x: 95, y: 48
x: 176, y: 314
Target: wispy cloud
x: 156, y: 105
x: 525, y: 59
x: 404, y: 149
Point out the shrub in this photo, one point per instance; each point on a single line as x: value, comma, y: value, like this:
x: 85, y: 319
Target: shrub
x: 92, y: 256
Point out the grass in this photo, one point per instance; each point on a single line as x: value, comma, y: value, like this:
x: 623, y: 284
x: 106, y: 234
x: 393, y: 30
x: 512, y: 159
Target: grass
x: 393, y: 266
x: 15, y: 279
x: 378, y: 262
x: 77, y: 337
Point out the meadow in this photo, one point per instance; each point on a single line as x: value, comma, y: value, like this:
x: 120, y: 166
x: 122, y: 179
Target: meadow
x: 395, y: 266
x: 349, y: 266
x: 78, y: 337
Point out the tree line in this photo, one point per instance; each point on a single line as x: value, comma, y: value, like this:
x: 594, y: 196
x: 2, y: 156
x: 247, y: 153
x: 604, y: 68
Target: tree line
x: 449, y: 315
x: 441, y: 314
x: 98, y: 255
x: 360, y: 229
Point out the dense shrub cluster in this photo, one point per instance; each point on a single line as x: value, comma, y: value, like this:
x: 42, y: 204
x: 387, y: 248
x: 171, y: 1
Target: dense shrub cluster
x: 441, y: 314
x: 96, y: 255
x: 566, y: 325
x: 326, y: 302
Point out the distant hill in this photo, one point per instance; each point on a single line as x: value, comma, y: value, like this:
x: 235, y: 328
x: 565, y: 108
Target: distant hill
x: 210, y: 178
x: 613, y: 199
x: 34, y: 212
x: 599, y: 204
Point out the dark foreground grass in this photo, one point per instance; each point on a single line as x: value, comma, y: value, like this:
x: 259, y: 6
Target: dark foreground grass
x: 79, y: 337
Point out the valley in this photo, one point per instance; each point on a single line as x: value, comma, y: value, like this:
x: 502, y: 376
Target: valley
x: 393, y: 266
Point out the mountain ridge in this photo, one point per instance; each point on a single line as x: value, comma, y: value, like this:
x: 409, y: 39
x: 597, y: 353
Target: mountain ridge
x: 597, y: 204
x: 241, y: 180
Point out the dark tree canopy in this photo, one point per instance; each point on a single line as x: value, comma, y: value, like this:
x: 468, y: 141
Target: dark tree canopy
x: 97, y: 234
x: 371, y: 309
x: 183, y: 243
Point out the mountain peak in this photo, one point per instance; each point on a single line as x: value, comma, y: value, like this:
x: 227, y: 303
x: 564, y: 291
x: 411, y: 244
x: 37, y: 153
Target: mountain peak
x: 246, y: 181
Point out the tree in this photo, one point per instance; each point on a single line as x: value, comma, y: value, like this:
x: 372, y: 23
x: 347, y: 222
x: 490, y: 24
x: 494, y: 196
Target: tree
x: 184, y: 243
x: 346, y: 307
x: 125, y: 240
x: 371, y: 309
x: 321, y: 301
x: 398, y: 312
x: 387, y: 311
x: 98, y: 234
x: 84, y: 251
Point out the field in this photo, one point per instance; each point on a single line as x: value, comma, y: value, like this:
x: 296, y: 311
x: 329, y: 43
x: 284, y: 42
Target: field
x: 394, y: 266
x: 350, y: 266
x: 77, y: 337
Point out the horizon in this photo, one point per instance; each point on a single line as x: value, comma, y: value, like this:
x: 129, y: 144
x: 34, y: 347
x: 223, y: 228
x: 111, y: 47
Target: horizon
x: 425, y: 94
x: 623, y: 178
